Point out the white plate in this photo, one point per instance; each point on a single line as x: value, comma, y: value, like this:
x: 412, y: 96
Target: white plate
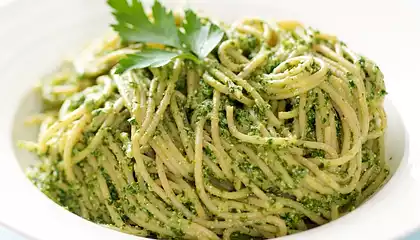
x: 36, y: 35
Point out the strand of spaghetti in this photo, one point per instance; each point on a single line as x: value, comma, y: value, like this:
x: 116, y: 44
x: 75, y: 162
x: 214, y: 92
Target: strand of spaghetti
x: 221, y: 156
x: 380, y: 132
x: 166, y: 141
x: 102, y: 196
x: 169, y: 158
x: 105, y: 195
x: 178, y: 117
x: 192, y: 196
x: 257, y: 161
x: 248, y: 183
x: 259, y: 101
x: 198, y: 168
x: 256, y: 62
x: 170, y: 155
x: 287, y: 115
x: 270, y: 35
x: 173, y: 133
x: 238, y: 157
x: 42, y: 143
x: 97, y: 198
x: 151, y: 224
x: 359, y: 85
x: 381, y: 142
x: 302, y: 115
x: 225, y: 59
x: 243, y: 27
x: 118, y: 153
x: 64, y: 110
x: 228, y: 205
x: 351, y: 119
x: 276, y: 165
x: 169, y: 161
x: 83, y: 200
x: 276, y: 221
x: 192, y: 80
x: 74, y: 135
x: 117, y: 106
x: 198, y: 176
x: 250, y: 232
x: 150, y: 105
x: 292, y: 91
x: 161, y: 86
x: 298, y: 76
x: 350, y: 172
x: 243, y: 193
x: 333, y: 136
x: 326, y: 179
x: 46, y: 123
x: 144, y: 221
x: 163, y: 104
x: 365, y: 178
x: 158, y: 204
x: 315, y: 185
x: 96, y: 140
x: 379, y: 180
x: 334, y: 212
x: 167, y: 188
x: 300, y: 208
x: 321, y: 113
x: 139, y: 103
x: 141, y: 169
x: 334, y: 56
x: 285, y: 75
x: 225, y: 90
x: 274, y: 106
x: 107, y: 89
x: 213, y: 166
x: 235, y: 54
x: 254, y: 139
x: 347, y: 93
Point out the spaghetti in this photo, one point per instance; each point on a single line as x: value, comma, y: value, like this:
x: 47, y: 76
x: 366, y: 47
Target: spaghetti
x: 281, y: 130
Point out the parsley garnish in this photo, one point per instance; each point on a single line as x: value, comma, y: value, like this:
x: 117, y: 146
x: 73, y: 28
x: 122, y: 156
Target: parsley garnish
x: 200, y: 39
x: 192, y: 41
x: 150, y: 58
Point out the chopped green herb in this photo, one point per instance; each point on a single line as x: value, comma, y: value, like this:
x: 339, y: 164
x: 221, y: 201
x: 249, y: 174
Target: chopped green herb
x: 352, y: 84
x: 383, y: 92
x: 132, y: 121
x: 298, y: 172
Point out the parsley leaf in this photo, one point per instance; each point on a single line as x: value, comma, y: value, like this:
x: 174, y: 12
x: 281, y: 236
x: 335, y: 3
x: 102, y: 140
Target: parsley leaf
x: 150, y: 58
x: 134, y: 25
x: 200, y: 39
x: 195, y: 41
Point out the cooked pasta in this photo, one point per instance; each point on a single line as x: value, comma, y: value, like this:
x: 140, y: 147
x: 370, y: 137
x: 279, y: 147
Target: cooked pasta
x: 280, y: 130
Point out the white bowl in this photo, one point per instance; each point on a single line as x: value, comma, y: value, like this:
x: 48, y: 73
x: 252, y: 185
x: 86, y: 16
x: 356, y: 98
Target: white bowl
x: 36, y: 35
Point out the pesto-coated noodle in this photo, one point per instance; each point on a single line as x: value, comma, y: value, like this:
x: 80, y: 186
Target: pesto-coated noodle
x: 281, y: 129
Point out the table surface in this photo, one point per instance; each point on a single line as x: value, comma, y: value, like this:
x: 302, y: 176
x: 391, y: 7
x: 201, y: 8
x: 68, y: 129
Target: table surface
x: 7, y: 234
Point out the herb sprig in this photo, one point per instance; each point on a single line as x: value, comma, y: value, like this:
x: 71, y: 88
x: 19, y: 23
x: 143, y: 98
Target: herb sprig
x: 193, y: 40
